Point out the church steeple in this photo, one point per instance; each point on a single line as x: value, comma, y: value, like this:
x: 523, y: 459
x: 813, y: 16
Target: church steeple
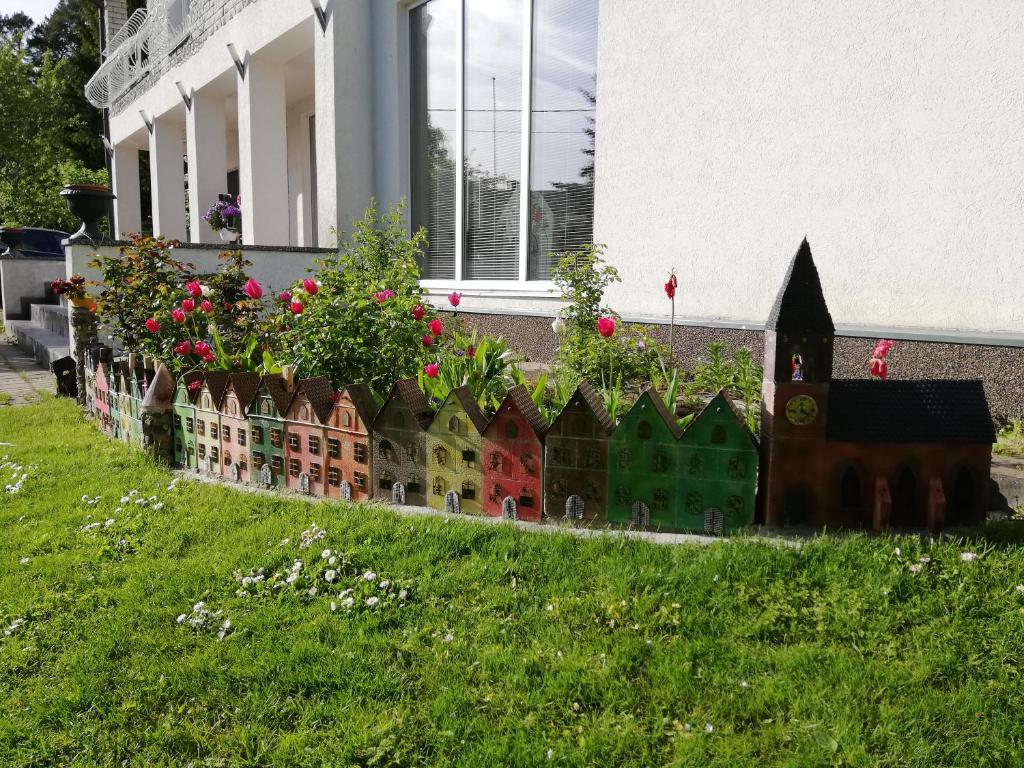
x: 799, y: 331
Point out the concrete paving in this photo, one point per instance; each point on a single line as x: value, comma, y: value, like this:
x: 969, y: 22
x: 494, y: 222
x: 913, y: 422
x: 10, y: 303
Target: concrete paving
x: 22, y: 379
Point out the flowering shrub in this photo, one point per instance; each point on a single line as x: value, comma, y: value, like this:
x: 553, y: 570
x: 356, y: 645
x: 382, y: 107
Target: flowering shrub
x: 486, y: 366
x: 223, y: 214
x: 69, y: 289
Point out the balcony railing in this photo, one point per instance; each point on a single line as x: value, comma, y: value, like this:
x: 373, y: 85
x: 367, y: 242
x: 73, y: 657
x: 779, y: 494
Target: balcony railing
x: 147, y: 37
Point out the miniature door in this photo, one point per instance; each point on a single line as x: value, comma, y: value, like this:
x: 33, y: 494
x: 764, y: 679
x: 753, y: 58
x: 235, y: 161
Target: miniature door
x: 265, y: 476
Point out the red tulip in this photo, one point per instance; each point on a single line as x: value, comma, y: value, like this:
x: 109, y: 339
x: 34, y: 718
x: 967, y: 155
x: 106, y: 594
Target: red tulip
x: 670, y: 286
x: 209, y: 358
x: 428, y: 340
x: 253, y: 289
x: 382, y: 296
x: 77, y: 280
x: 882, y: 348
x: 455, y: 298
x: 194, y: 385
x: 152, y: 325
x: 296, y: 308
x: 431, y: 370
x: 178, y: 316
x: 202, y: 348
x: 309, y: 286
x: 194, y: 289
x: 606, y: 326
x: 206, y: 306
x: 471, y: 352
x: 418, y: 312
x: 878, y: 368
x: 436, y: 327
x: 284, y: 296
x: 183, y: 347
x: 188, y: 305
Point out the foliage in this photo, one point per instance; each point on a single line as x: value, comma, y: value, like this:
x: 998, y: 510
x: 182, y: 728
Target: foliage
x: 344, y: 331
x: 582, y: 276
x: 35, y: 162
x: 604, y: 650
x: 487, y: 366
x: 1010, y: 441
x: 740, y: 378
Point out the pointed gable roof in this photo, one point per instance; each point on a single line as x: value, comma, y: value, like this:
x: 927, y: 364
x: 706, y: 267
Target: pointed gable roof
x: 589, y: 396
x: 320, y: 394
x: 408, y: 391
x: 364, y: 402
x: 716, y: 403
x: 216, y: 382
x: 244, y: 384
x: 469, y: 405
x: 183, y: 383
x: 659, y: 407
x: 800, y: 304
x: 277, y: 388
x: 520, y: 399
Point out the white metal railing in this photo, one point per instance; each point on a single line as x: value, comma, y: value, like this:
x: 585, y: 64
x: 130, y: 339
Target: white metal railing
x: 147, y: 37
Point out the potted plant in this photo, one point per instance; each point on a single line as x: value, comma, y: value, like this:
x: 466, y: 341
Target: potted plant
x: 224, y: 218
x: 74, y: 291
x: 90, y: 203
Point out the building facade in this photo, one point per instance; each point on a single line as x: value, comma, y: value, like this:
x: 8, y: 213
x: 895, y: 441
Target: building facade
x: 183, y: 403
x: 305, y: 441
x: 347, y: 431
x: 454, y: 454
x: 234, y: 426
x: 208, y: 446
x: 513, y: 454
x: 400, y: 445
x: 266, y: 424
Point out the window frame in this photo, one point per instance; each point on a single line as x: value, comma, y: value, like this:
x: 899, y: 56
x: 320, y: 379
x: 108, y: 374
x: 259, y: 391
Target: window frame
x: 521, y: 286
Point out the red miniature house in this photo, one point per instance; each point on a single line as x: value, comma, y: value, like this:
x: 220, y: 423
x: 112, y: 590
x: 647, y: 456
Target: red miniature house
x: 347, y: 432
x: 862, y: 453
x: 235, y: 444
x: 513, y: 448
x: 305, y: 448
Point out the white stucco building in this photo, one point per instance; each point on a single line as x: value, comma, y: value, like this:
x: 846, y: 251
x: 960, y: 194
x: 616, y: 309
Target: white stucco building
x: 708, y: 136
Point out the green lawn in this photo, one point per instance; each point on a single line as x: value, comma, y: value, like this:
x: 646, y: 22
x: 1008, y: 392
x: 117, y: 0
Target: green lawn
x: 510, y: 647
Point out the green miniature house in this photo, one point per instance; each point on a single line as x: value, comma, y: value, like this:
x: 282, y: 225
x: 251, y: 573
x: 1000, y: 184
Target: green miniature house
x: 717, y: 474
x: 643, y: 465
x: 454, y: 446
x: 185, y: 419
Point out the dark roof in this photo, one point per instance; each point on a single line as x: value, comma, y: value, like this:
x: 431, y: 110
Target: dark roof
x: 659, y: 405
x: 520, y: 398
x: 800, y: 304
x: 121, y: 374
x: 216, y: 382
x: 244, y: 385
x: 408, y: 391
x: 320, y: 393
x: 469, y: 405
x: 593, y: 401
x: 277, y: 388
x: 927, y: 411
x: 364, y: 402
x: 187, y: 379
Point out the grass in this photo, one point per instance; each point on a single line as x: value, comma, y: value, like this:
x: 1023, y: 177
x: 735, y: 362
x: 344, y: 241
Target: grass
x: 1010, y: 441
x: 513, y: 648
x: 5, y: 399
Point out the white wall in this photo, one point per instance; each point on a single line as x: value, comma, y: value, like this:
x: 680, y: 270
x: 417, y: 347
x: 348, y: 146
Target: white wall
x: 888, y: 132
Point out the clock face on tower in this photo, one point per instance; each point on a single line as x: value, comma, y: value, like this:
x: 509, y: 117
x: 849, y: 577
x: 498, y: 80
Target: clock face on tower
x: 801, y: 410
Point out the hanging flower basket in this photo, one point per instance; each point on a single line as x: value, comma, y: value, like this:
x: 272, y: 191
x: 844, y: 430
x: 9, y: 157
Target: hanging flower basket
x: 229, y: 235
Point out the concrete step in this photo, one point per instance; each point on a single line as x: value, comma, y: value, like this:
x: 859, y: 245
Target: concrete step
x: 51, y: 317
x: 44, y: 345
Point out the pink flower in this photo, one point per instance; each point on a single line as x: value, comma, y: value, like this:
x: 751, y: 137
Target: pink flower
x: 606, y: 326
x: 436, y: 327
x: 309, y: 286
x: 202, y: 348
x: 188, y: 305
x: 670, y: 286
x: 194, y: 289
x: 455, y: 298
x: 194, y: 386
x: 471, y: 352
x: 253, y: 289
x: 296, y: 308
x: 206, y: 306
x: 878, y: 368
x: 209, y: 358
x: 428, y: 340
x: 183, y: 348
x: 431, y: 369
x: 418, y: 312
x: 284, y: 296
x: 178, y: 316
x: 382, y: 296
x: 882, y: 348
x: 152, y: 325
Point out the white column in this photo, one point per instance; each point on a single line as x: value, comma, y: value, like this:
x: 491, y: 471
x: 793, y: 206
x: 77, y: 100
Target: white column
x: 167, y: 171
x: 128, y: 206
x: 206, y: 132
x: 263, y: 154
x: 344, y: 113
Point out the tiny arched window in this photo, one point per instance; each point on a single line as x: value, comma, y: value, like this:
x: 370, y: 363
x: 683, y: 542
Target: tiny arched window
x: 346, y: 419
x: 718, y: 434
x: 643, y: 430
x: 511, y: 429
x: 454, y: 425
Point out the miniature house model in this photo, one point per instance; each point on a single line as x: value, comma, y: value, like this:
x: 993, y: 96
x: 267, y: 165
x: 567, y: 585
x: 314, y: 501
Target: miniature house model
x: 856, y: 452
x: 454, y: 450
x: 349, y: 460
x: 400, y: 445
x: 513, y: 452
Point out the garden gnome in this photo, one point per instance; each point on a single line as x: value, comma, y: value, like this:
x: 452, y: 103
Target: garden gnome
x: 156, y: 413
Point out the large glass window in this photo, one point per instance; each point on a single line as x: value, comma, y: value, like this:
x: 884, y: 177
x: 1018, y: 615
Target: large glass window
x: 472, y: 142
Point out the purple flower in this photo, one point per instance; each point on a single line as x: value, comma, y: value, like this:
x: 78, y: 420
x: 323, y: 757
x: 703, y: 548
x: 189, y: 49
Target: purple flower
x: 230, y: 210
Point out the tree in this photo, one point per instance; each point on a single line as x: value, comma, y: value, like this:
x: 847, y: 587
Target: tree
x: 35, y: 160
x: 14, y: 28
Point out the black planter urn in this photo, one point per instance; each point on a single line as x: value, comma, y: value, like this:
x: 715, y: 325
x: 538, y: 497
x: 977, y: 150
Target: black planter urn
x: 11, y: 239
x: 90, y: 204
